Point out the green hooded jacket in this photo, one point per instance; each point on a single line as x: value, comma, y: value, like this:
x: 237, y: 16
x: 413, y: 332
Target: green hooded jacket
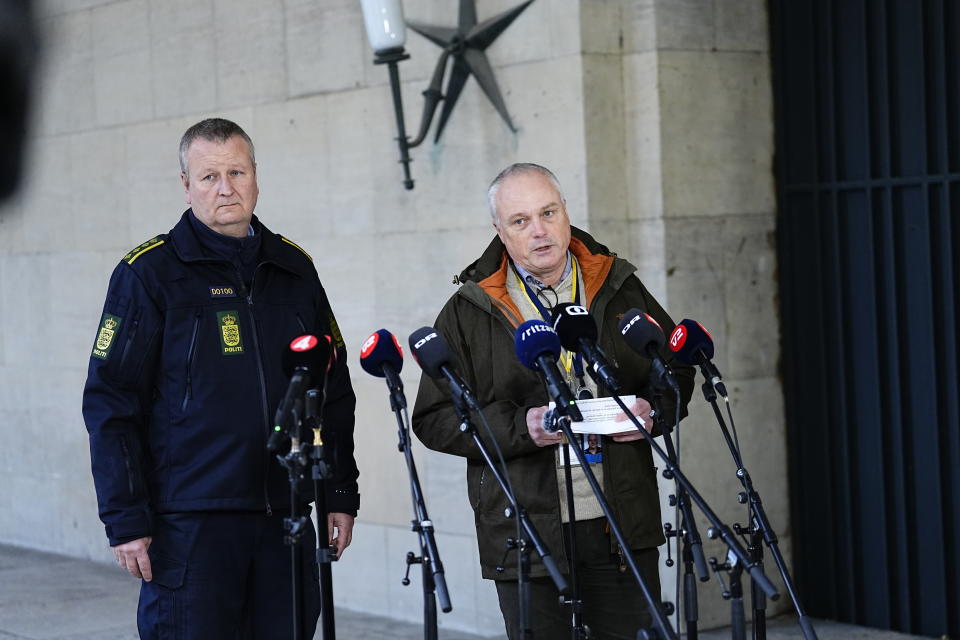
x: 478, y: 322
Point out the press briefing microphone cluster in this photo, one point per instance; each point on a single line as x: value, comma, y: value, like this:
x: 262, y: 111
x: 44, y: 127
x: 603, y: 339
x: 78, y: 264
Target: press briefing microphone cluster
x: 381, y: 356
x: 578, y: 334
x: 433, y: 355
x: 642, y: 333
x: 306, y: 360
x: 691, y: 344
x: 538, y: 348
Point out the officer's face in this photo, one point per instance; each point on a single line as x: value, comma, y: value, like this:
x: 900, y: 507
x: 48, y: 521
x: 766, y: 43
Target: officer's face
x: 532, y: 222
x: 221, y: 184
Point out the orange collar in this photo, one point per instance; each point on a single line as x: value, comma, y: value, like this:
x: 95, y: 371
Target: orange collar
x: 594, y: 268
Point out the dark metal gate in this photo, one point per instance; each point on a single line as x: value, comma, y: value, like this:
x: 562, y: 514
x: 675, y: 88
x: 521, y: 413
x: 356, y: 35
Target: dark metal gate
x: 868, y: 172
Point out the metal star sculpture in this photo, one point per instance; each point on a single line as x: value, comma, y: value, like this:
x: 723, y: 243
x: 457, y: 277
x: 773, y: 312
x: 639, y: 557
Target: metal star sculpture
x: 467, y: 42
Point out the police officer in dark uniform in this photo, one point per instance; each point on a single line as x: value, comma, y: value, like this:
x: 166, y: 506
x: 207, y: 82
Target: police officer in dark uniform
x: 184, y: 374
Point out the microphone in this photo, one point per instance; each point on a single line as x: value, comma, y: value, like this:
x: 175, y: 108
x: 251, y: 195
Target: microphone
x: 306, y: 358
x: 691, y: 344
x: 578, y: 333
x: 431, y: 352
x: 538, y: 348
x: 551, y: 420
x: 645, y: 336
x: 381, y: 356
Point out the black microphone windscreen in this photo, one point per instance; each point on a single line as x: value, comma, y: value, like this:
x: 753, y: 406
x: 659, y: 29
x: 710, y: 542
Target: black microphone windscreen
x: 641, y: 331
x: 306, y: 352
x: 534, y: 338
x: 573, y: 323
x: 689, y: 338
x: 381, y: 348
x: 430, y: 350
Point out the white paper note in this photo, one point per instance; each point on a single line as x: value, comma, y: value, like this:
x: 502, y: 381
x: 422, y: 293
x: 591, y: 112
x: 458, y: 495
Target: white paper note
x: 599, y: 416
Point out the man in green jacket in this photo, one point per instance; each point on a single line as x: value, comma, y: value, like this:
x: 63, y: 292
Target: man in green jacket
x: 537, y: 261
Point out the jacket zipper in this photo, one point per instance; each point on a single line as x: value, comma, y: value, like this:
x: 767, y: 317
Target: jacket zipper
x: 303, y: 327
x: 483, y: 472
x: 190, y: 354
x: 130, y: 337
x: 126, y: 460
x: 263, y: 388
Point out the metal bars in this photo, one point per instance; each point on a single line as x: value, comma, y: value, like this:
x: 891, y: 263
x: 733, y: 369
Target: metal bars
x: 867, y: 96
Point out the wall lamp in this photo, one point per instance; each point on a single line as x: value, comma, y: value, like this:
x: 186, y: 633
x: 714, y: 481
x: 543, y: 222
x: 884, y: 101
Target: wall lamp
x: 386, y: 32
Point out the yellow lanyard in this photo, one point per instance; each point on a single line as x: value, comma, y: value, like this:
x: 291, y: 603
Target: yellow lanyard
x: 566, y: 358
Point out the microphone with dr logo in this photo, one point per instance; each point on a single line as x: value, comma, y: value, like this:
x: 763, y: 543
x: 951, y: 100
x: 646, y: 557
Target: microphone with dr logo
x: 433, y: 355
x: 644, y: 335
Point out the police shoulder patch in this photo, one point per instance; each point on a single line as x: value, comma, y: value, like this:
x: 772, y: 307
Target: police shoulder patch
x: 335, y: 330
x: 298, y: 247
x: 141, y: 249
x: 109, y: 326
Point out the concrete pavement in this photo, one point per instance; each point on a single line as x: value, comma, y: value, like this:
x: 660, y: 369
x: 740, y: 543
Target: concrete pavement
x: 50, y: 597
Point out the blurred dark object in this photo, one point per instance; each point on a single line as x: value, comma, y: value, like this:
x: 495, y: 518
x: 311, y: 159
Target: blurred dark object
x: 18, y: 55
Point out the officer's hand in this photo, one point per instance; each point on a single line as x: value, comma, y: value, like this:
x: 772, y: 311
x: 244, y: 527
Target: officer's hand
x: 133, y: 557
x: 535, y: 428
x: 343, y: 523
x: 641, y: 409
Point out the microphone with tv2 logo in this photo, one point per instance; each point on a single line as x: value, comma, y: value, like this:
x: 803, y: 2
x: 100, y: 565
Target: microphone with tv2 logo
x: 691, y: 344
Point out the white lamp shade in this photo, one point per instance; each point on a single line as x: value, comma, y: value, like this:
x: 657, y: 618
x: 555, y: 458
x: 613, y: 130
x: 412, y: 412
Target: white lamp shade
x: 384, y: 22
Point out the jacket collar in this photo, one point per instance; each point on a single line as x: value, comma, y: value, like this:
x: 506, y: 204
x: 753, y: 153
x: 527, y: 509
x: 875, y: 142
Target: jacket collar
x: 189, y: 248
x: 490, y: 271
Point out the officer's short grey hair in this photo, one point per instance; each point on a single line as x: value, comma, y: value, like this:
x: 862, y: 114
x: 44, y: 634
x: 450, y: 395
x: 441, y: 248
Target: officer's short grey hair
x: 213, y: 130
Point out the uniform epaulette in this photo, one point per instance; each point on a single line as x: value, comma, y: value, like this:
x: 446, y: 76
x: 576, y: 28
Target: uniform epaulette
x: 298, y: 247
x: 141, y: 249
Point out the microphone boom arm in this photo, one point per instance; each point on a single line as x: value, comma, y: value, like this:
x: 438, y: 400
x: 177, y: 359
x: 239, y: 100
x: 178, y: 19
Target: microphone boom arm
x: 718, y: 529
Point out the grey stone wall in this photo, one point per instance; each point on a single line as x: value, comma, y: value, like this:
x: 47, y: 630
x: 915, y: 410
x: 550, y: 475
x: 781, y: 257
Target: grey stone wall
x: 656, y: 116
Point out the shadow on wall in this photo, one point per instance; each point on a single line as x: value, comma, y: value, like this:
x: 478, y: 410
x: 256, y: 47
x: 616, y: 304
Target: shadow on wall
x: 18, y: 55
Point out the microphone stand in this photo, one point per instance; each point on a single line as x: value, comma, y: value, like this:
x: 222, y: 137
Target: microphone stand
x: 718, y: 529
x: 692, y: 553
x: 320, y: 472
x: 660, y: 620
x: 738, y: 624
x: 760, y: 529
x: 434, y: 582
x: 579, y: 631
x: 295, y: 460
x: 529, y: 531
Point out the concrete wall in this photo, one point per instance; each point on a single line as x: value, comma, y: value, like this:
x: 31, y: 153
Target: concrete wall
x: 656, y: 116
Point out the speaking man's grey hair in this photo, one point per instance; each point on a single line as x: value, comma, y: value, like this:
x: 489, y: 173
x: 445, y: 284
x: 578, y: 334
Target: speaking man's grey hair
x: 213, y: 130
x: 517, y: 169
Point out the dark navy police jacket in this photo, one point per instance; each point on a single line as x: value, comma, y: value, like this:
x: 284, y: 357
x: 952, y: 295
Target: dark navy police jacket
x: 185, y: 375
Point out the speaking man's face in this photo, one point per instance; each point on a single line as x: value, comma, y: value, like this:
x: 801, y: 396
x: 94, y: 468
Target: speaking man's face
x: 532, y: 223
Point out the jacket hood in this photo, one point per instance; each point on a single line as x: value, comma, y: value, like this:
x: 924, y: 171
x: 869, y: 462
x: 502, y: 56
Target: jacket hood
x: 489, y: 273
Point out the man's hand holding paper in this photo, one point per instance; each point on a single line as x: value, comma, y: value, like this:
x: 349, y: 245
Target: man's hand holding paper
x: 640, y: 408
x: 604, y: 416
